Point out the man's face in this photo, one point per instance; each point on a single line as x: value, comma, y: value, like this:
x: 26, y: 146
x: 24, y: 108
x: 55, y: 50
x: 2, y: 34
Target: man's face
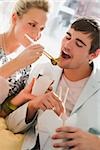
x: 75, y: 50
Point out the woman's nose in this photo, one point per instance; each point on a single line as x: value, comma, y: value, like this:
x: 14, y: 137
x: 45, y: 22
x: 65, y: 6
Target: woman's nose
x: 37, y: 36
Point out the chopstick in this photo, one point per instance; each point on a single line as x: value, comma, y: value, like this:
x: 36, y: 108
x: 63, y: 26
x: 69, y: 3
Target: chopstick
x: 48, y: 55
x: 63, y: 115
x: 44, y: 52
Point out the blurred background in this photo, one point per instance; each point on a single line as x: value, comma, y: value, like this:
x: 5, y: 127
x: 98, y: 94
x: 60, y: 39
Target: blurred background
x: 63, y: 12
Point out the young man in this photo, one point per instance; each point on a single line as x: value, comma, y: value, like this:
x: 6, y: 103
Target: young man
x: 81, y: 75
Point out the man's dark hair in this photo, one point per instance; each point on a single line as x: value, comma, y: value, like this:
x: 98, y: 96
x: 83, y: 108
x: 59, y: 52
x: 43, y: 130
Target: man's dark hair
x: 89, y: 26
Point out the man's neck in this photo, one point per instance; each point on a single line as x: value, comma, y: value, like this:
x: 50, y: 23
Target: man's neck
x: 77, y: 74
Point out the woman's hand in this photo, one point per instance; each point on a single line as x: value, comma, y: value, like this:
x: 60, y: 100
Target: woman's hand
x: 24, y: 96
x: 29, y: 55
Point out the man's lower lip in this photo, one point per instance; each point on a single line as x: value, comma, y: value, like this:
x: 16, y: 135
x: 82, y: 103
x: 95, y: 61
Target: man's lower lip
x: 65, y: 57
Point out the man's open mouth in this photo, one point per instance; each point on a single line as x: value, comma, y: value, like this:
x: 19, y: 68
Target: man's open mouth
x: 65, y: 55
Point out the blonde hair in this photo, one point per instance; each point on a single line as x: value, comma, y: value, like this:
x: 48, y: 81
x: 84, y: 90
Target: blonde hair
x: 22, y: 6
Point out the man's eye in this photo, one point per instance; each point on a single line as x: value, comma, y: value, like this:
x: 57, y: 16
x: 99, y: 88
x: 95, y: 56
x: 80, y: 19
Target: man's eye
x: 79, y: 44
x: 68, y: 37
x: 32, y: 24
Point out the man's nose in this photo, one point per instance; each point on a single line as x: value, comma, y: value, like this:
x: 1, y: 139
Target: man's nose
x: 69, y: 43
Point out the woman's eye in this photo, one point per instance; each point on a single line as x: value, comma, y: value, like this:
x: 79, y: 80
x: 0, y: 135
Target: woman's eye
x: 42, y: 28
x: 32, y: 24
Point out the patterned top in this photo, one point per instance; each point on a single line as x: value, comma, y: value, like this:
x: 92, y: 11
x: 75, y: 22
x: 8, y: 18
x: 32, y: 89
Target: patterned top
x: 18, y: 80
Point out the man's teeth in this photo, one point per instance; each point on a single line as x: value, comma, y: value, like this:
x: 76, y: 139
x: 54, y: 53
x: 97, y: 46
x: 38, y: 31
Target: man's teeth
x: 65, y: 52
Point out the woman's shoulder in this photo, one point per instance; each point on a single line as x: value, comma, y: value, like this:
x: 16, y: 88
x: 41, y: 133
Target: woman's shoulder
x: 1, y: 44
x: 0, y: 40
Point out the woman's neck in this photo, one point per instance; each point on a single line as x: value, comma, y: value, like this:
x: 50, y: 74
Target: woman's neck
x: 9, y: 42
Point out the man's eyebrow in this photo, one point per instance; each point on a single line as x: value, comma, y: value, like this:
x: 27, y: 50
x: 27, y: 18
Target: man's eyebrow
x: 68, y: 33
x: 81, y: 41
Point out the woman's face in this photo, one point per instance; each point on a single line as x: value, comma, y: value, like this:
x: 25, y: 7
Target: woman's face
x: 31, y: 23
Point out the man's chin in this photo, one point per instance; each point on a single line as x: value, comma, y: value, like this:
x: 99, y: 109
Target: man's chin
x: 61, y: 64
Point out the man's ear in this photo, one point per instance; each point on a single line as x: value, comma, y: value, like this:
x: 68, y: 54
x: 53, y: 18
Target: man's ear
x: 94, y: 55
x: 98, y: 51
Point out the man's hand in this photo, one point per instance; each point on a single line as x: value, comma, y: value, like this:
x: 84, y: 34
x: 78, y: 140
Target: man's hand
x: 48, y: 100
x: 76, y: 139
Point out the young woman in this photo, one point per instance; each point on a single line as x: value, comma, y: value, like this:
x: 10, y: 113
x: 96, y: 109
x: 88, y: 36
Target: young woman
x: 28, y: 17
